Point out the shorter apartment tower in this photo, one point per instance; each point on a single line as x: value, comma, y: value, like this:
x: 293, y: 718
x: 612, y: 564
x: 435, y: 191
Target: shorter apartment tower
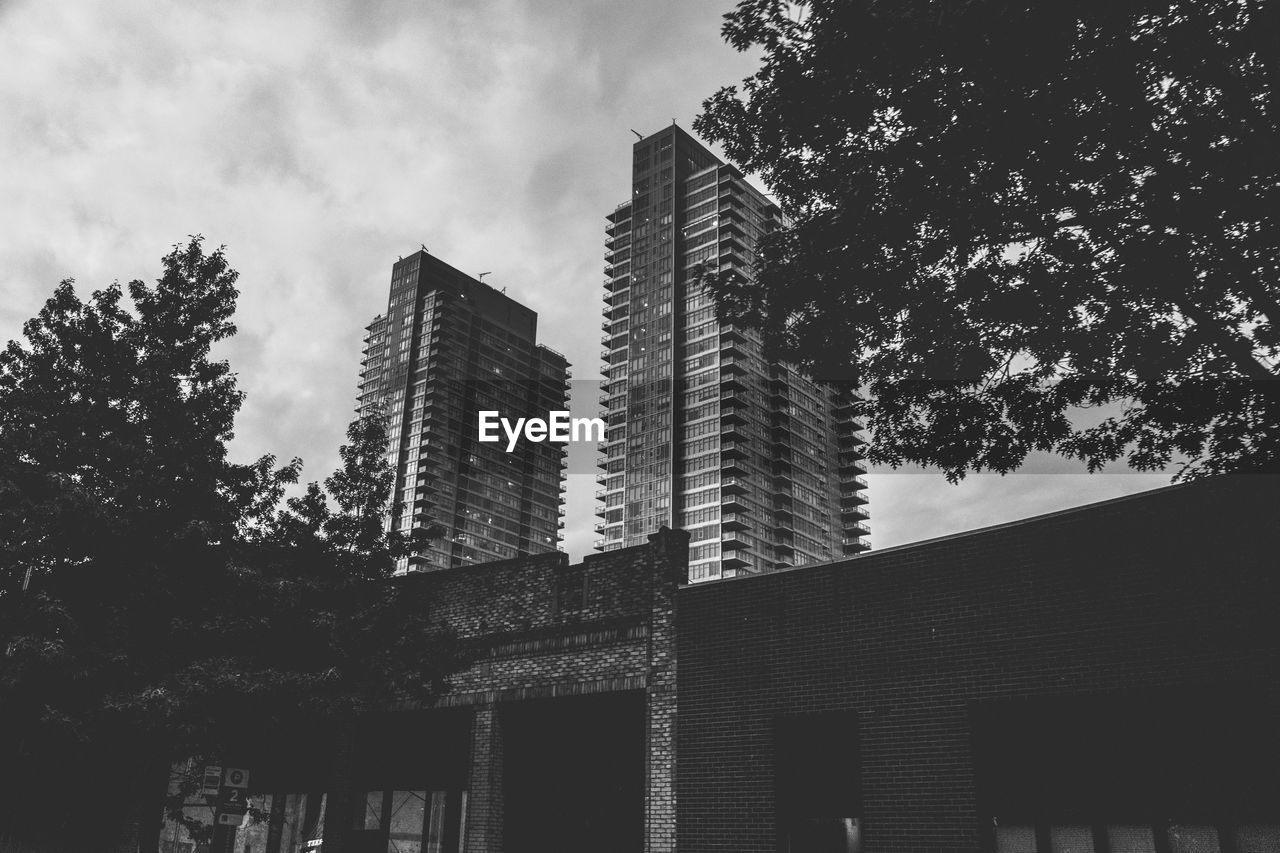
x: 447, y: 348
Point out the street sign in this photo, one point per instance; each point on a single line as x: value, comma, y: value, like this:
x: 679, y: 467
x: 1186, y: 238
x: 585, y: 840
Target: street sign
x: 233, y: 796
x: 233, y: 801
x: 211, y: 781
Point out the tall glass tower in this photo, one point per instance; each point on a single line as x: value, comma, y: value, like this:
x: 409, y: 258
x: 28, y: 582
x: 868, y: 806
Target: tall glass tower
x: 759, y: 463
x: 447, y: 348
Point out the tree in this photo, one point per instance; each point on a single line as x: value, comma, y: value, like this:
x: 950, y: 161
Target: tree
x: 1005, y: 213
x: 157, y: 601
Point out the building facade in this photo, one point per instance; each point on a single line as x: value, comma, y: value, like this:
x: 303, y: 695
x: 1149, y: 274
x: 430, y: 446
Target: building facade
x: 761, y: 465
x: 560, y: 735
x: 1100, y: 680
x: 448, y: 347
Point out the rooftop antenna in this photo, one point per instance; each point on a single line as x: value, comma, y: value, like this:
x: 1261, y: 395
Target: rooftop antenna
x: 480, y: 278
x: 637, y: 133
x: 424, y: 247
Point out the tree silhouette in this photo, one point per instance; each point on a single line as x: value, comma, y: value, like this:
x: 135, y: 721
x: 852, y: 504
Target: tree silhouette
x: 1003, y: 213
x: 159, y: 602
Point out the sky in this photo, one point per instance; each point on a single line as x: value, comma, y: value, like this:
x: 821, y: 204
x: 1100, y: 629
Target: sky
x: 320, y: 141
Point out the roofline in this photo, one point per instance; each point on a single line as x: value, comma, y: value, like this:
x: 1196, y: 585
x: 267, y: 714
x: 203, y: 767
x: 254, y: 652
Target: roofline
x: 977, y: 531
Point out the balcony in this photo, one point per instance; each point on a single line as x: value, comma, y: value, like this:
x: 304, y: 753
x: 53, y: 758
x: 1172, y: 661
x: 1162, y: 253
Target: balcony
x: 851, y: 467
x: 734, y: 521
x: 733, y: 450
x: 847, y: 423
x: 733, y: 504
x: 732, y: 395
x: 855, y: 546
x: 853, y: 514
x: 731, y: 242
x: 732, y: 468
x: 855, y: 498
x: 734, y: 486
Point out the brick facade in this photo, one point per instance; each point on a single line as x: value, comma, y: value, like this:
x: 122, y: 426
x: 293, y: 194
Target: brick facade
x: 892, y: 689
x: 550, y: 630
x: 1172, y: 590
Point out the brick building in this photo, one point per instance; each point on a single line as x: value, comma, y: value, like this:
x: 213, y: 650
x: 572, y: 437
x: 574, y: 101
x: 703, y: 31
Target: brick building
x: 559, y: 737
x: 1100, y: 680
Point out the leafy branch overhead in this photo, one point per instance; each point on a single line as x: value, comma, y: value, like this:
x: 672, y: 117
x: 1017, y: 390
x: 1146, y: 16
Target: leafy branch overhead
x: 1004, y: 214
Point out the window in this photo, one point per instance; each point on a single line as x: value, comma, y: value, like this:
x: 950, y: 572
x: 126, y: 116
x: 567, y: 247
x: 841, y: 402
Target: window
x: 571, y: 591
x: 409, y: 821
x: 1135, y: 838
x: 818, y: 782
x: 1129, y: 772
x: 301, y: 821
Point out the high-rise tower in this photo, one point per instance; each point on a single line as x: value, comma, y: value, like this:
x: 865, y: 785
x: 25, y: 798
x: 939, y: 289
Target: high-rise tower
x: 760, y: 464
x: 447, y: 348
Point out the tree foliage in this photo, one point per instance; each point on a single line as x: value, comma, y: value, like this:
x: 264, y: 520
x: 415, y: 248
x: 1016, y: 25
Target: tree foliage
x: 157, y: 600
x: 1004, y: 213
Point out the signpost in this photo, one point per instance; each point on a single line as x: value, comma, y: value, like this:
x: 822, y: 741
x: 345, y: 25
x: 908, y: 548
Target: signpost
x: 233, y: 799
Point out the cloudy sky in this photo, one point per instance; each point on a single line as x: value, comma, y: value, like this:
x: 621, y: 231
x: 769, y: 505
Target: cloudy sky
x: 319, y: 141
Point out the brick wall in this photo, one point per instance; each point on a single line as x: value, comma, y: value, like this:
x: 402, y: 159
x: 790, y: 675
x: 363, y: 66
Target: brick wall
x: 1176, y: 588
x: 546, y: 629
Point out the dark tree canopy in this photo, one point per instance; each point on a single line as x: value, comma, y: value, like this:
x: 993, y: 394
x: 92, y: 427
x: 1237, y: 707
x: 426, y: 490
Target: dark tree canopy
x: 157, y: 601
x: 1003, y: 213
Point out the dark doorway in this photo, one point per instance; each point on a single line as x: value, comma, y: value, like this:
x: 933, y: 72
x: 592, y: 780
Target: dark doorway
x: 574, y: 774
